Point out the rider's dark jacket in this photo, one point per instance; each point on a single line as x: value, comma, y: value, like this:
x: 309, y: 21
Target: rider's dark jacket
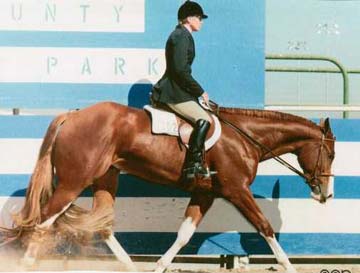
x: 177, y: 84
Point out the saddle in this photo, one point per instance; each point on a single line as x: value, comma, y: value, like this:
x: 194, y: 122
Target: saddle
x: 164, y: 122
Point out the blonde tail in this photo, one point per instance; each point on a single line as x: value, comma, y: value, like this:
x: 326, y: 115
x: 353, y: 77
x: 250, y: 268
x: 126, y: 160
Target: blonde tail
x: 40, y: 187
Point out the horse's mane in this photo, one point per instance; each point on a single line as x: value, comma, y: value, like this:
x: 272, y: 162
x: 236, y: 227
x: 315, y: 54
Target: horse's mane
x: 266, y: 114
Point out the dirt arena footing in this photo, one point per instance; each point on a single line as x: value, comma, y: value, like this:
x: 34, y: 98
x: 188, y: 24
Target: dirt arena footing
x: 191, y: 264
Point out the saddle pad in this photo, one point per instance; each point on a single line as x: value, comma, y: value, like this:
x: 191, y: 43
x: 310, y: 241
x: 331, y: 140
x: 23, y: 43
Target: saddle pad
x: 163, y: 122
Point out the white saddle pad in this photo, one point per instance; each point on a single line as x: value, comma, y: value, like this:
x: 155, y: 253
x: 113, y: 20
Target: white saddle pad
x: 164, y: 122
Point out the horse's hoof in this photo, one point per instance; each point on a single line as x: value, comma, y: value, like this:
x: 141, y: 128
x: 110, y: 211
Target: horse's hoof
x: 28, y: 261
x: 131, y: 268
x: 160, y: 267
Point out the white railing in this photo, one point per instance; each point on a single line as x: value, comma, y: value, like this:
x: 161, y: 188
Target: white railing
x: 328, y: 108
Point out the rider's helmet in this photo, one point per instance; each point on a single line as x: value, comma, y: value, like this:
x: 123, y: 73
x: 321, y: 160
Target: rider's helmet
x: 190, y: 8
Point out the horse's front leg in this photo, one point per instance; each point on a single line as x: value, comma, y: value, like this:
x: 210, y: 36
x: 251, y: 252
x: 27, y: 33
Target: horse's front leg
x: 243, y: 199
x: 198, y: 206
x: 279, y: 253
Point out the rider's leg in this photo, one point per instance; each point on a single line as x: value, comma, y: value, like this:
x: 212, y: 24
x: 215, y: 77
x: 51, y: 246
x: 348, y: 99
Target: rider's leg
x: 192, y: 111
x: 194, y: 165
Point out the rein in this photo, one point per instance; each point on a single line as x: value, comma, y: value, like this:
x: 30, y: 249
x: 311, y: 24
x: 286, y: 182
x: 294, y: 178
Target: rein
x: 283, y: 162
x: 262, y: 146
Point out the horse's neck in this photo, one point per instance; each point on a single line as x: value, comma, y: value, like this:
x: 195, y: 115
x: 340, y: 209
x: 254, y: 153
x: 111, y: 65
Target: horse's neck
x: 279, y: 132
x: 282, y: 137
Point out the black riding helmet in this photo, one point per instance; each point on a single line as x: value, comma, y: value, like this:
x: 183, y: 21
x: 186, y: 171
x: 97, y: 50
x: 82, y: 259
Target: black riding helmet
x: 190, y: 8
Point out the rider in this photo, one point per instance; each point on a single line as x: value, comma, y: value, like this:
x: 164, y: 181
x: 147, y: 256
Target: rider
x: 180, y: 91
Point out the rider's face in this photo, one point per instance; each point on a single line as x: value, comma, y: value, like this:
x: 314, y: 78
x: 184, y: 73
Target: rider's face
x: 195, y: 22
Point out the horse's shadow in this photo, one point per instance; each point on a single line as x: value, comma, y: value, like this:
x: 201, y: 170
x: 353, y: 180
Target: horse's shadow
x: 201, y: 243
x: 16, y: 249
x: 10, y: 207
x: 249, y: 242
x: 254, y: 243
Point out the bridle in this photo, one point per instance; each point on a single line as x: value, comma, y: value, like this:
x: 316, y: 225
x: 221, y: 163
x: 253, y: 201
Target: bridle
x: 313, y: 180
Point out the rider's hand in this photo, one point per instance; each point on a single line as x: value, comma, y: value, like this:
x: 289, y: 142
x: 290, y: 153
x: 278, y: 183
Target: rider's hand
x: 205, y: 97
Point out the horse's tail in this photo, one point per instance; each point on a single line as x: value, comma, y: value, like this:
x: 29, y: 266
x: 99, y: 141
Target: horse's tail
x: 40, y: 188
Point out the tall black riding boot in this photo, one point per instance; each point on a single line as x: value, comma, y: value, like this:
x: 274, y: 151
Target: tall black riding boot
x: 194, y: 165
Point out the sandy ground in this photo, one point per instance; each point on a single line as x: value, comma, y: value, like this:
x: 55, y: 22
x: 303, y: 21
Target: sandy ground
x: 13, y: 264
x: 11, y: 261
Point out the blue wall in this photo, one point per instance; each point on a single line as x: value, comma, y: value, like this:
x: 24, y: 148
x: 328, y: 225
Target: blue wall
x: 229, y: 57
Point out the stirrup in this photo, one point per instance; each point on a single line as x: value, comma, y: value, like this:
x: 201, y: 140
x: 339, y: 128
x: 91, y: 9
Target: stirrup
x: 197, y: 171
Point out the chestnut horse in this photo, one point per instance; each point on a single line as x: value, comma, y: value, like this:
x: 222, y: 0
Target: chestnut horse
x: 91, y: 146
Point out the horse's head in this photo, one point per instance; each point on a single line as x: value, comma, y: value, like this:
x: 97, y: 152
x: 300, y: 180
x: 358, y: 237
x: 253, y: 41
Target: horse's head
x: 316, y: 157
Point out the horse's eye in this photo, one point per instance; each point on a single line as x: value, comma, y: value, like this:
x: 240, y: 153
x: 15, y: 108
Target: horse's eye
x: 331, y: 156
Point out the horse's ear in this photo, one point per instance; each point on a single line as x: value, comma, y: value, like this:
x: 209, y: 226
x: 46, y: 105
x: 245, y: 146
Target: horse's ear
x: 325, y: 125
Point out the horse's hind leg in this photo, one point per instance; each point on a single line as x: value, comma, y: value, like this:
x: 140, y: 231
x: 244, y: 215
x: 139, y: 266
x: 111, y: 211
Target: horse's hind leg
x: 58, y: 203
x: 104, y: 198
x: 198, y: 206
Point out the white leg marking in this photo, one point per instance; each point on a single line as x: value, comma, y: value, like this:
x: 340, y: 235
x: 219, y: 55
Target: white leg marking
x: 120, y: 253
x: 241, y: 262
x: 33, y: 248
x: 52, y: 219
x: 185, y: 232
x: 280, y: 255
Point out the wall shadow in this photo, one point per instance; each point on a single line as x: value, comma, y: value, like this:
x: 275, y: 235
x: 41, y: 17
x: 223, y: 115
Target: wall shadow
x: 254, y: 243
x: 139, y: 94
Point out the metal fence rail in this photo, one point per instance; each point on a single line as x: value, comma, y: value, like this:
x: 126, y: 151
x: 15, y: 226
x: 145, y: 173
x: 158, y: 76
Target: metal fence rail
x: 345, y: 108
x: 330, y: 108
